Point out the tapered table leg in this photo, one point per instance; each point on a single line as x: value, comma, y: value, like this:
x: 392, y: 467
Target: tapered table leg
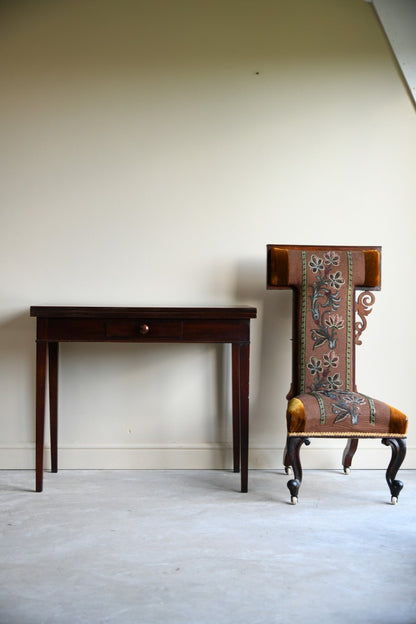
x: 244, y: 399
x: 236, y: 405
x: 53, y: 403
x: 41, y: 357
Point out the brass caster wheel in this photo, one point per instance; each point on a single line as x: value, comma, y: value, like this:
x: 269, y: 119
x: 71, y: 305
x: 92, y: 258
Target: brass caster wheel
x: 347, y: 471
x: 394, y: 500
x: 294, y: 500
x: 288, y: 470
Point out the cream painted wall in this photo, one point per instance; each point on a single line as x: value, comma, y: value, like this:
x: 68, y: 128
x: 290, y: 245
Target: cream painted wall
x: 149, y: 152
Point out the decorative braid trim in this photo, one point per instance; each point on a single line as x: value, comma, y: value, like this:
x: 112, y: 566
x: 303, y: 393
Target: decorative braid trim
x: 318, y: 397
x: 372, y: 409
x: 349, y: 323
x: 344, y: 434
x: 303, y: 323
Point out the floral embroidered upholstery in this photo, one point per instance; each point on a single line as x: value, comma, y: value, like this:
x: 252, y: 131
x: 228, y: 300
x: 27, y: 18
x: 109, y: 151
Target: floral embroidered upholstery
x: 326, y: 284
x: 323, y: 400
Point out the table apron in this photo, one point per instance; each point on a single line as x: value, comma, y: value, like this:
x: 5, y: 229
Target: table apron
x: 143, y: 330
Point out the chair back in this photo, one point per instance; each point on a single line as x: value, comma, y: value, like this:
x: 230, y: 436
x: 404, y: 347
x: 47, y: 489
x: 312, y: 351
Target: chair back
x: 324, y: 280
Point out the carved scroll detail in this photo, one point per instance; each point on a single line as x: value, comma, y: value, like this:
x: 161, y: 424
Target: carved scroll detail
x: 365, y: 301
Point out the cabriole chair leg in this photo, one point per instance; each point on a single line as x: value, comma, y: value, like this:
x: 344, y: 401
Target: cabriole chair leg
x: 398, y: 453
x: 286, y: 463
x: 293, y: 456
x: 349, y: 453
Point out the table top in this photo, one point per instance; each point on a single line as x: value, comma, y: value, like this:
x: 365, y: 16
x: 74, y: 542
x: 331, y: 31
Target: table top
x: 217, y: 312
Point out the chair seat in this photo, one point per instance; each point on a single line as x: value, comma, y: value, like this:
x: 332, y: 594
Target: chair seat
x: 337, y: 413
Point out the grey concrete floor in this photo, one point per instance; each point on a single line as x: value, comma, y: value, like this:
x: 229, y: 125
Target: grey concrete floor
x: 186, y: 547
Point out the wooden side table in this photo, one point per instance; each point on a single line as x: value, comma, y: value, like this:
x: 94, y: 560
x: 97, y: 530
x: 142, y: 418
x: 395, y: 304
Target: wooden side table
x: 141, y: 325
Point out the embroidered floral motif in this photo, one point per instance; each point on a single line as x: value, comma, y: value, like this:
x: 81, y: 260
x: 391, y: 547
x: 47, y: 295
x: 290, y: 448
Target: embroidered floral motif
x: 325, y: 302
x: 334, y: 321
x: 325, y: 299
x: 331, y: 257
x: 315, y: 366
x: 347, y: 405
x: 331, y: 359
x: 316, y: 264
x: 323, y: 381
x: 334, y: 382
x: 336, y: 280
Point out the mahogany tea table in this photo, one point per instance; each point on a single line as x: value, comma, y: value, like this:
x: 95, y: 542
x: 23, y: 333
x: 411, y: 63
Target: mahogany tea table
x: 154, y: 325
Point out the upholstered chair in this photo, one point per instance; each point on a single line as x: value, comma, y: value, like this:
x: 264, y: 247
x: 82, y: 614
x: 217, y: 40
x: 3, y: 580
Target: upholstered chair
x: 323, y: 401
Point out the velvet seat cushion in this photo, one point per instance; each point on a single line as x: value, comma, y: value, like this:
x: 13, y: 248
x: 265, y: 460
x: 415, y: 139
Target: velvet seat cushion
x: 343, y: 414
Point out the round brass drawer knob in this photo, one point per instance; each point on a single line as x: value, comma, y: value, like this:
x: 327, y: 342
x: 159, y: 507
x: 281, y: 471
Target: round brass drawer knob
x: 144, y: 329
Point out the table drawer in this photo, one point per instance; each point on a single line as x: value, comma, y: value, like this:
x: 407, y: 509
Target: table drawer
x: 92, y: 330
x: 143, y: 330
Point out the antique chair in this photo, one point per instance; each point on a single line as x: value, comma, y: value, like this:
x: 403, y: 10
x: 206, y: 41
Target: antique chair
x: 323, y: 401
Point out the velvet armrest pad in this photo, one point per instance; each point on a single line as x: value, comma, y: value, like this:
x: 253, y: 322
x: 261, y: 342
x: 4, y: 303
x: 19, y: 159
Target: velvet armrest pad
x: 279, y: 267
x: 372, y: 268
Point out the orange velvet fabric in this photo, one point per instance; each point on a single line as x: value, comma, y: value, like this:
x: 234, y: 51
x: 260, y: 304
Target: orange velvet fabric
x: 398, y: 421
x: 296, y: 416
x: 279, y: 265
x: 372, y: 268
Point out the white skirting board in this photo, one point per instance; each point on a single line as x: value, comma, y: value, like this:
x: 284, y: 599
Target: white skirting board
x: 370, y: 455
